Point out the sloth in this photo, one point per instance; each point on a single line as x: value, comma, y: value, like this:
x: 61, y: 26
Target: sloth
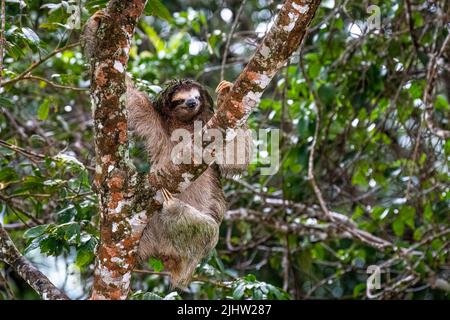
x: 187, y: 227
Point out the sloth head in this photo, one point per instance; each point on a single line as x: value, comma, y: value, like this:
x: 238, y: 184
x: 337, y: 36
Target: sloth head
x: 184, y: 100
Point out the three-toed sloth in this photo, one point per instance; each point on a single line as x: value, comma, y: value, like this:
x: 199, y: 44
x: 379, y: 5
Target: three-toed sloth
x: 187, y: 227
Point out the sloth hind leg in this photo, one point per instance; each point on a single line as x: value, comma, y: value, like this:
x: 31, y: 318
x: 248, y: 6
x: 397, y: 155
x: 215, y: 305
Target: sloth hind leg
x: 189, y: 230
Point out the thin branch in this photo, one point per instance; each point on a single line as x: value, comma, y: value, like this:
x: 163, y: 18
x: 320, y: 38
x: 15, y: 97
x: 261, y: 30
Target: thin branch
x: 230, y: 35
x: 37, y: 63
x: 411, y: 26
x: 33, y: 156
x: 54, y: 85
x: 431, y: 79
x: 6, y: 285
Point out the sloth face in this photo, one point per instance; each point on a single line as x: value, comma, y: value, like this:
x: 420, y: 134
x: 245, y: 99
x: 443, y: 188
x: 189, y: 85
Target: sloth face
x: 186, y: 103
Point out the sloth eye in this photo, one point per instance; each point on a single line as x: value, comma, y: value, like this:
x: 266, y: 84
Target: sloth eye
x: 197, y: 97
x: 177, y: 102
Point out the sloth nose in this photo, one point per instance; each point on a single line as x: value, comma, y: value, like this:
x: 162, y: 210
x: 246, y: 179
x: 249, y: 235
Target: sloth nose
x: 191, y: 103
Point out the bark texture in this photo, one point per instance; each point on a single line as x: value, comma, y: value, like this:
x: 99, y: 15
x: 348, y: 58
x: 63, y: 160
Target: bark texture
x: 115, y: 182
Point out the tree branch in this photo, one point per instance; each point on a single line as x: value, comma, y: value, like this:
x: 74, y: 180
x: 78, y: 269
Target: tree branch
x: 36, y: 279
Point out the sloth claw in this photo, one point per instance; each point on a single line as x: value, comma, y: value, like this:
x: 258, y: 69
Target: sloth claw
x: 100, y: 15
x: 168, y: 197
x: 224, y: 86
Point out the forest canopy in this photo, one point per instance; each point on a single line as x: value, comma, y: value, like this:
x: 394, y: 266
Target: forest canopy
x: 355, y: 128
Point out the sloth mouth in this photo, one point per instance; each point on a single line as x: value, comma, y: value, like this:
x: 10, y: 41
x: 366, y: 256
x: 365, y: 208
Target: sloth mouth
x: 186, y: 113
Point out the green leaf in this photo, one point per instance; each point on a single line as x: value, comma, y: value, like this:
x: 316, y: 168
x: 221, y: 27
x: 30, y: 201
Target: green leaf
x: 276, y: 292
x: 71, y: 231
x: 399, y: 227
x: 441, y: 103
x: 250, y: 278
x: 51, y: 245
x: 327, y: 93
x: 31, y: 36
x: 257, y: 294
x: 359, y: 178
x: 14, y: 50
x: 314, y: 70
x: 156, y: 264
x: 157, y: 9
x: 35, y: 244
x: 5, y: 102
x: 428, y: 213
x: 84, y: 257
x: 407, y: 215
x: 43, y: 110
x: 238, y: 292
x: 35, y: 231
x: 157, y: 42
x: 151, y: 296
x: 8, y: 174
x: 358, y: 289
x: 218, y: 261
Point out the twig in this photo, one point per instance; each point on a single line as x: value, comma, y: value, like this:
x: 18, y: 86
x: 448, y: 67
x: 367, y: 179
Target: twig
x: 33, y: 156
x: 29, y: 154
x: 6, y: 285
x: 10, y: 203
x: 230, y: 35
x: 411, y: 26
x: 431, y: 78
x: 55, y: 85
x: 37, y: 63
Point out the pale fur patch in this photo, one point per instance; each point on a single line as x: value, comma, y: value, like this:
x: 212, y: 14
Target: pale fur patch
x: 186, y: 94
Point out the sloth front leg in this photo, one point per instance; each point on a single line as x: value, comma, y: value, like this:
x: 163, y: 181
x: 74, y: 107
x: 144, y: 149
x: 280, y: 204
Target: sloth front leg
x: 191, y: 232
x: 238, y: 145
x: 89, y: 36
